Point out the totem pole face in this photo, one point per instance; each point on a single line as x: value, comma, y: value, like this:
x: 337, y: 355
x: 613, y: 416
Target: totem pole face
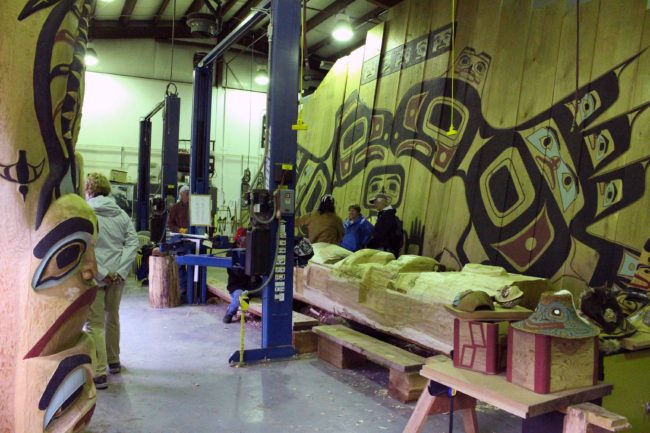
x: 47, y: 262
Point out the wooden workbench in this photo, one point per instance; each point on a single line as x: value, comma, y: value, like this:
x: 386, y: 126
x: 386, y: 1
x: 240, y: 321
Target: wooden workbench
x: 537, y: 411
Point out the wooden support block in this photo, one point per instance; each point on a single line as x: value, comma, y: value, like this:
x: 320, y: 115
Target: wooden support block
x: 580, y: 417
x: 337, y: 355
x: 164, y: 289
x: 405, y: 386
x: 304, y: 341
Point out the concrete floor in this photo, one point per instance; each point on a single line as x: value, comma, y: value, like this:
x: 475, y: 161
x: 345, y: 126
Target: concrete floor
x: 176, y: 379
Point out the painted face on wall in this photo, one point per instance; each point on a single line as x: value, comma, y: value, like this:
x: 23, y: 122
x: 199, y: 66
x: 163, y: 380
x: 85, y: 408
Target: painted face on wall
x: 47, y: 263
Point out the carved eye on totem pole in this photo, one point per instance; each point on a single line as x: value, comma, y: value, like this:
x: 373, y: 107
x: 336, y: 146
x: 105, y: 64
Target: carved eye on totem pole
x: 47, y: 262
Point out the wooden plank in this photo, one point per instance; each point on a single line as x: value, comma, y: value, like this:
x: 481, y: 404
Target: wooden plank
x: 499, y: 313
x: 127, y: 10
x: 375, y: 350
x: 497, y: 391
x: 599, y: 417
x: 334, y: 8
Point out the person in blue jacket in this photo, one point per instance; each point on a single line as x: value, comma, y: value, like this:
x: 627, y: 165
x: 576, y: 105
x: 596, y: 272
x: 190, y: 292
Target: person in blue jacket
x: 357, y: 230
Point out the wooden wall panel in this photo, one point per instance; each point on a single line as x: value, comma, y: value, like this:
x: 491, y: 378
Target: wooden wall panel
x: 530, y: 183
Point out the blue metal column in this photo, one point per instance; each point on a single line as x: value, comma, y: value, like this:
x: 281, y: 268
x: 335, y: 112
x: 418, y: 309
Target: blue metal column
x: 277, y: 297
x: 200, y: 152
x: 144, y: 169
x: 171, y: 120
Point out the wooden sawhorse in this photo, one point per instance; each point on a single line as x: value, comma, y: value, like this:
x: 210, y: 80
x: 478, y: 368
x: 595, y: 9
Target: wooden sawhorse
x: 539, y: 412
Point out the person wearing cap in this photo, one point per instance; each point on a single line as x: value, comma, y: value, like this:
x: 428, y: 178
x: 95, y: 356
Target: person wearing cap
x: 324, y: 225
x: 385, y: 234
x: 179, y: 215
x: 357, y: 229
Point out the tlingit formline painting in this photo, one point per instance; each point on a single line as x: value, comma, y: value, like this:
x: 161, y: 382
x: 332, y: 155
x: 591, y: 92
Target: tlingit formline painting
x: 501, y: 137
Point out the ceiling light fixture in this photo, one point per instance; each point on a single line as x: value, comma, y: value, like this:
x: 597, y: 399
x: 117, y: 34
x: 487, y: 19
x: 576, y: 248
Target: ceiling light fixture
x: 343, y: 29
x: 261, y: 77
x: 90, y: 59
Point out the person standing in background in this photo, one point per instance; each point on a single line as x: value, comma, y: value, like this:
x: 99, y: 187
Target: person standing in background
x: 325, y: 225
x: 117, y: 244
x: 357, y: 229
x: 387, y: 233
x: 179, y: 215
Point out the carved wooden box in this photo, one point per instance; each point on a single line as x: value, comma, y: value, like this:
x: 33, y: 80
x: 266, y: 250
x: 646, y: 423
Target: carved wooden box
x: 547, y: 364
x: 480, y: 346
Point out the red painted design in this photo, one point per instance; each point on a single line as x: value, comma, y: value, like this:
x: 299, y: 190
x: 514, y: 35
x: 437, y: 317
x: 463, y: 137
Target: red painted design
x: 413, y: 108
x: 86, y: 299
x: 525, y: 248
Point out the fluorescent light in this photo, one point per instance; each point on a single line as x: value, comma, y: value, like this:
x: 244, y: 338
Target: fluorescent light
x: 343, y: 30
x: 91, y: 57
x: 262, y: 77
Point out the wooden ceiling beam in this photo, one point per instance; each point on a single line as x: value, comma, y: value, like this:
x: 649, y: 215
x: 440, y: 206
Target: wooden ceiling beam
x: 227, y: 7
x: 323, y: 15
x: 127, y: 11
x: 243, y: 11
x: 161, y: 10
x: 194, y: 7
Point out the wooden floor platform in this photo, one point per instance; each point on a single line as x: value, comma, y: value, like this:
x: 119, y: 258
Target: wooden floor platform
x: 346, y: 348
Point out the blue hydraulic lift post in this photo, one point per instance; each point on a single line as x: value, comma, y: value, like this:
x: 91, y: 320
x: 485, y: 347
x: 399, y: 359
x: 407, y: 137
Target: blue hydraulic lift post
x: 144, y: 170
x: 200, y: 147
x: 277, y: 303
x: 171, y: 120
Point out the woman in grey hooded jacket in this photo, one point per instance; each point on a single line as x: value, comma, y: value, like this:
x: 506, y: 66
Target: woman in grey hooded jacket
x: 117, y: 244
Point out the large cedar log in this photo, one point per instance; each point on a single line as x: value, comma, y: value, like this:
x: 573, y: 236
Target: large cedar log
x: 163, y: 282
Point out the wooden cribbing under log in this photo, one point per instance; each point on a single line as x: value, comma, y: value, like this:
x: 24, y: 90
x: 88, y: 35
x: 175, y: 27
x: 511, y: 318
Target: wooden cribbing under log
x: 346, y: 348
x: 163, y: 282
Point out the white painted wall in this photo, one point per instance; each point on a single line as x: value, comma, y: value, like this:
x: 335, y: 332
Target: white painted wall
x: 114, y: 105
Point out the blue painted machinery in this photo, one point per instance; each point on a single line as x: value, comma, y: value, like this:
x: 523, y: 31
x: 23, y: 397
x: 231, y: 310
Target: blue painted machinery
x: 277, y: 228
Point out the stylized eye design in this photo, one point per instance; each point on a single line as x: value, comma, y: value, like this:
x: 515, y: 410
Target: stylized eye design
x: 546, y: 142
x: 556, y: 312
x: 480, y: 68
x: 354, y: 135
x: 602, y: 146
x: 587, y: 106
x: 464, y: 60
x: 61, y: 251
x: 611, y: 195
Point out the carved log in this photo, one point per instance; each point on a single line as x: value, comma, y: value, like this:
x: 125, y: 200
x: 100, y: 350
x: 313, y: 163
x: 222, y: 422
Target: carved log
x: 47, y: 263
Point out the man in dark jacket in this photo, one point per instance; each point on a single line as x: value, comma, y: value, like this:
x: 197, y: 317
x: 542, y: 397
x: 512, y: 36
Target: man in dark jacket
x: 386, y: 235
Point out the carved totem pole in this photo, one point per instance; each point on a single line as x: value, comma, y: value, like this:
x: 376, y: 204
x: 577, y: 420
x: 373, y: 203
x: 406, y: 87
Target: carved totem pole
x: 47, y: 232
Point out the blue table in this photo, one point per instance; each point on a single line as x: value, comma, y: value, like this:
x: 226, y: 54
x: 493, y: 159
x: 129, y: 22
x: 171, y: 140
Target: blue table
x: 203, y: 261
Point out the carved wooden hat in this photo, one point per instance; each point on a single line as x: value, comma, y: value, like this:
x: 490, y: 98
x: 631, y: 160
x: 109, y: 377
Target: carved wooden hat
x: 473, y: 300
x: 556, y: 316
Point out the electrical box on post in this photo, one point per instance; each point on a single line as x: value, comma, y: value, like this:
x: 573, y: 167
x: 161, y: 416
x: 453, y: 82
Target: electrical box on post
x: 283, y: 174
x: 285, y: 201
x: 258, y: 256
